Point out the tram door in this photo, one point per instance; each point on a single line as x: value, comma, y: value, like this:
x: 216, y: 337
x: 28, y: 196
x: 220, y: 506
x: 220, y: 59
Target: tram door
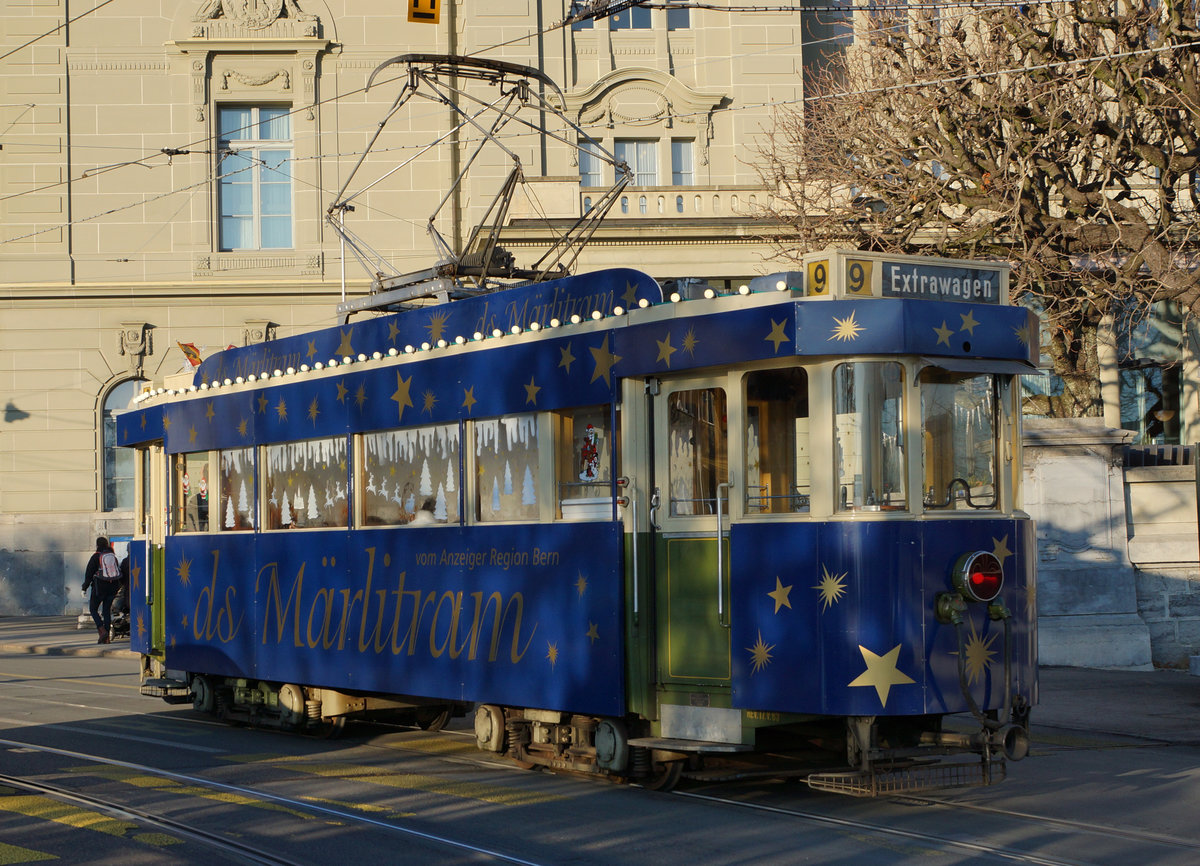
x: 691, y: 530
x: 155, y: 516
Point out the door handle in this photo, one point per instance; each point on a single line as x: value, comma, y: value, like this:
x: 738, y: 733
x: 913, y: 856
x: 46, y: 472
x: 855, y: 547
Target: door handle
x: 721, y: 556
x: 655, y: 501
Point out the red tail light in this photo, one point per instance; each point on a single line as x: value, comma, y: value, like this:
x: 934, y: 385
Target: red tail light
x: 979, y: 576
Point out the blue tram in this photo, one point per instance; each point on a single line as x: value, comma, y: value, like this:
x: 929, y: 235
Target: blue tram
x: 637, y: 536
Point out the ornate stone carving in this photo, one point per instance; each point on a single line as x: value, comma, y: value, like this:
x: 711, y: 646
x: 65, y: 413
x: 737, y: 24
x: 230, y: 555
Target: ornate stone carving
x: 258, y: 331
x: 229, y: 18
x: 133, y: 341
x: 256, y: 80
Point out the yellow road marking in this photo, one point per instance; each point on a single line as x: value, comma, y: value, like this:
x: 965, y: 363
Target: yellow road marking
x: 412, y: 781
x: 369, y: 808
x: 442, y: 745
x: 10, y: 855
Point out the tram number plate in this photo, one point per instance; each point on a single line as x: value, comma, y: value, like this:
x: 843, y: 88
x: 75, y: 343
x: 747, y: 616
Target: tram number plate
x: 941, y: 282
x: 818, y: 277
x: 858, y: 276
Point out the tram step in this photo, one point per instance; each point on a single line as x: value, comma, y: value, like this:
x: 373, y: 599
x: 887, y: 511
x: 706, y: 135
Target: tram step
x: 165, y: 687
x: 670, y: 745
x: 908, y: 779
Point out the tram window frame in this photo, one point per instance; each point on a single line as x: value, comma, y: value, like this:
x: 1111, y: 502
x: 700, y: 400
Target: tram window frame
x: 188, y: 505
x: 245, y: 495
x: 787, y: 464
x: 539, y: 466
x: 577, y: 498
x: 953, y: 492
x: 271, y: 512
x: 708, y: 467
x: 440, y: 507
x: 885, y: 465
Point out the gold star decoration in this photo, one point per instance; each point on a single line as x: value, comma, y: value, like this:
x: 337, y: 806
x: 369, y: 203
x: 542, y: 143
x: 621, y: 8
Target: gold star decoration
x: 979, y: 654
x: 209, y: 411
x: 847, y: 329
x: 831, y: 587
x: 143, y: 420
x: 313, y: 411
x: 166, y: 422
x: 881, y: 673
x: 345, y: 347
x: 401, y: 396
x: 593, y: 633
x: 943, y: 334
x: 690, y: 342
x: 581, y: 584
x: 469, y: 400
x: 531, y: 391
x: 429, y: 401
x: 760, y: 654
x: 360, y: 396
x: 281, y: 410
x: 968, y: 322
x: 630, y: 296
x: 780, y: 595
x: 1000, y: 549
x: 184, y: 621
x: 436, y: 326
x: 184, y: 570
x: 312, y: 350
x: 665, y: 350
x: 552, y: 653
x: 341, y: 391
x: 605, y: 360
x: 262, y: 404
x: 393, y: 330
x: 192, y: 434
x: 1031, y: 598
x: 141, y: 627
x: 242, y: 427
x: 135, y: 574
x: 566, y: 359
x: 777, y: 337
x: 1024, y: 335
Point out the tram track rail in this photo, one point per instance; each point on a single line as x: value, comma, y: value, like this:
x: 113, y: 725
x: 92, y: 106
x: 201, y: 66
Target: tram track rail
x: 242, y: 851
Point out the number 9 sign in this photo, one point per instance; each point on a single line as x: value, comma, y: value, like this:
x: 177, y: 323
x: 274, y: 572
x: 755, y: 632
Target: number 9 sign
x: 858, y: 277
x: 818, y: 277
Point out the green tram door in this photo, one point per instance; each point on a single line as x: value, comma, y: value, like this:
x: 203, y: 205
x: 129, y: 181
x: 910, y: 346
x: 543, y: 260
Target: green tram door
x: 690, y: 521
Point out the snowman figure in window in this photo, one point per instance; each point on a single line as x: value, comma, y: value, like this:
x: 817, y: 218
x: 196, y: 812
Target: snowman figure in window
x: 589, y: 456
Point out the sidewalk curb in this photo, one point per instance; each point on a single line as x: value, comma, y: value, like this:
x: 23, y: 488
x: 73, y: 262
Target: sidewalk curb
x: 99, y: 651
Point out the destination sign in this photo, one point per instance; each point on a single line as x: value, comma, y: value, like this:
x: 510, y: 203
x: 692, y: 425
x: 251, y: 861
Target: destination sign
x: 941, y: 282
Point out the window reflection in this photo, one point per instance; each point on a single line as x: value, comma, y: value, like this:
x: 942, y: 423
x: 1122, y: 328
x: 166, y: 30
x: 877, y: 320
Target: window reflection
x: 777, y: 455
x: 958, y: 426
x: 237, y: 490
x: 869, y: 435
x: 506, y: 451
x: 698, y: 451
x: 304, y: 484
x: 189, y: 492
x: 410, y: 476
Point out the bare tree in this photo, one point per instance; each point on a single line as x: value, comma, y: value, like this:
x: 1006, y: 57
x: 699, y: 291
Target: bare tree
x: 1062, y: 137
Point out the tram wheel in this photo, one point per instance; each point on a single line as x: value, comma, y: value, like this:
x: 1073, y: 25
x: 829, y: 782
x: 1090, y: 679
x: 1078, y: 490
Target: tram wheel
x: 432, y: 720
x: 665, y: 777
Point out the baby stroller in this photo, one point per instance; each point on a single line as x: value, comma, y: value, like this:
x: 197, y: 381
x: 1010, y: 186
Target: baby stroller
x: 120, y: 614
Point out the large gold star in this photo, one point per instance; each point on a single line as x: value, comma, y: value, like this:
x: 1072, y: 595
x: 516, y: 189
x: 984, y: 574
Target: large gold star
x: 166, y: 422
x: 209, y: 411
x: 262, y: 404
x: 780, y: 595
x: 581, y: 584
x: 968, y: 322
x: 979, y: 654
x: 191, y: 434
x: 630, y: 296
x: 184, y: 570
x: 566, y: 359
x: 1000, y: 549
x: 593, y: 633
x: 605, y: 360
x: 436, y: 326
x: 401, y: 396
x: 760, y: 654
x: 312, y: 350
x: 881, y: 672
x: 360, y: 395
x: 665, y: 350
x: 469, y: 400
x: 281, y: 410
x: 313, y: 411
x: 393, y: 330
x: 847, y: 329
x: 1024, y: 335
x: 531, y: 391
x: 943, y: 334
x: 690, y: 342
x: 831, y: 587
x: 345, y: 348
x: 135, y: 574
x: 341, y: 391
x: 777, y: 336
x: 242, y: 427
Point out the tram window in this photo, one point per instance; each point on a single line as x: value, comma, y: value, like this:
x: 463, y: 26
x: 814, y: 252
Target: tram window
x: 506, y: 462
x: 778, y: 475
x: 583, y: 460
x: 698, y: 452
x: 237, y: 490
x: 410, y: 477
x: 189, y: 492
x: 869, y: 435
x: 959, y: 434
x: 304, y: 484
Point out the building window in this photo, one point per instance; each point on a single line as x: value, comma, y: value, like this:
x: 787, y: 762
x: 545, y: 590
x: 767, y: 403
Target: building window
x: 585, y: 24
x: 255, y: 183
x: 1150, y: 358
x: 119, y: 463
x: 641, y: 156
x: 591, y: 167
x: 634, y: 18
x: 681, y: 162
x: 678, y: 19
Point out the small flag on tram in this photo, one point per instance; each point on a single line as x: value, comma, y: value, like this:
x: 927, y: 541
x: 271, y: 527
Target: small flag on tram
x: 190, y: 352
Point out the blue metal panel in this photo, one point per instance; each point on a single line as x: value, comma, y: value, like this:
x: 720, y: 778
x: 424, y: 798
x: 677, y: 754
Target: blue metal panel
x: 139, y: 611
x: 513, y: 614
x: 838, y: 618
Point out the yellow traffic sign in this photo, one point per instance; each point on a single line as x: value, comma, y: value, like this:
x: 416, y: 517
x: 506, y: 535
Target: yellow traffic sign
x: 424, y: 11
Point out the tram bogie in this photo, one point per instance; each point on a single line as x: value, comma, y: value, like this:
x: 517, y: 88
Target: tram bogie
x: 772, y: 532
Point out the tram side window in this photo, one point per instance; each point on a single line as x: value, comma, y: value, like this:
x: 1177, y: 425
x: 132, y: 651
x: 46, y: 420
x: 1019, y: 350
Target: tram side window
x: 869, y: 435
x: 189, y: 492
x: 237, y: 490
x: 959, y: 435
x: 778, y: 473
x: 410, y: 477
x: 698, y: 455
x: 304, y: 484
x: 506, y: 463
x: 583, y: 460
